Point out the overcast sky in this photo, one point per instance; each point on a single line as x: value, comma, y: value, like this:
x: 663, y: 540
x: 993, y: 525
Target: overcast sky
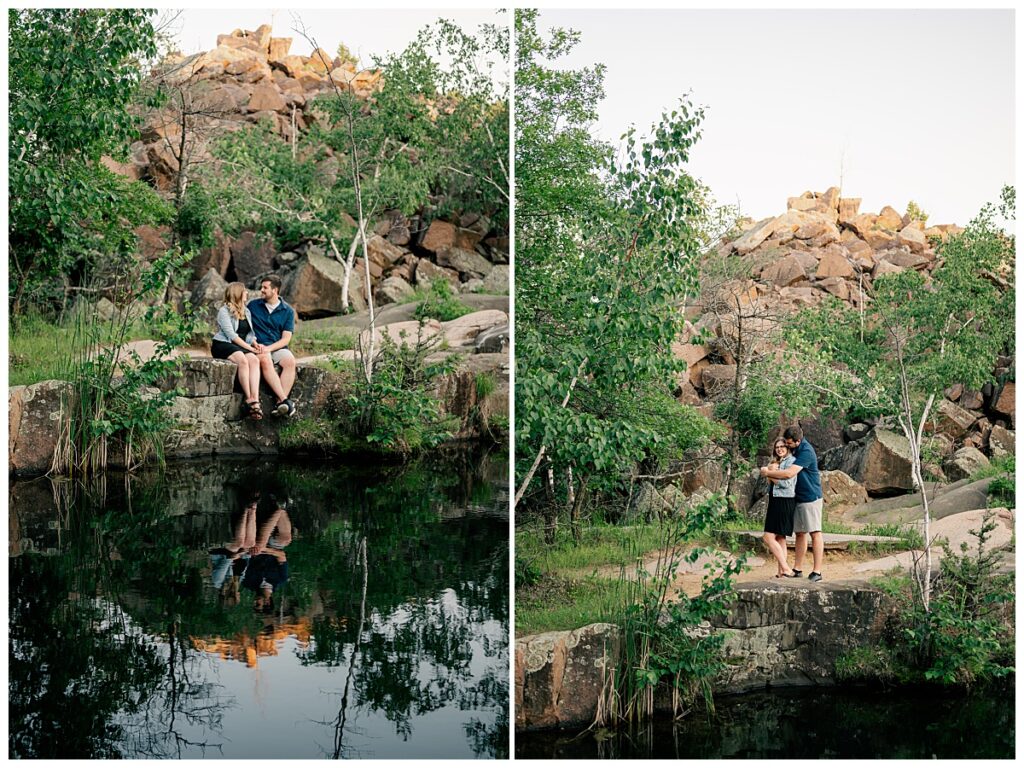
x: 366, y: 33
x: 902, y: 105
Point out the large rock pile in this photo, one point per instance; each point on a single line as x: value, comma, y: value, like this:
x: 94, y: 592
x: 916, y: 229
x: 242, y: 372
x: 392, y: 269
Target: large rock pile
x: 824, y: 246
x: 249, y: 77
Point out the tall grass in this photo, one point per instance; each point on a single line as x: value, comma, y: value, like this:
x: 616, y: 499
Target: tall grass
x: 112, y: 408
x: 665, y: 632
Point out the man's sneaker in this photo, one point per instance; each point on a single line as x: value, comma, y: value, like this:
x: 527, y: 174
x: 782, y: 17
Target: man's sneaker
x: 814, y: 576
x: 285, y: 408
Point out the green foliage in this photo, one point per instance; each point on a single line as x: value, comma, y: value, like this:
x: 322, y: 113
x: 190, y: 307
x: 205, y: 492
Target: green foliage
x: 873, y: 664
x: 39, y: 348
x: 346, y: 56
x: 485, y: 384
x: 321, y: 342
x: 915, y: 213
x: 663, y: 639
x: 440, y: 302
x: 458, y: 82
x: 74, y: 73
x: 966, y: 636
x: 555, y: 603
x: 397, y: 411
x: 114, y: 402
x: 196, y: 223
x: 1002, y: 489
x: 921, y: 334
x: 606, y: 251
x: 412, y: 143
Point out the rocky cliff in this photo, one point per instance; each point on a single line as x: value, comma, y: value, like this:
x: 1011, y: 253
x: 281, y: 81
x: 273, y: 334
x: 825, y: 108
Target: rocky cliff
x: 824, y: 246
x: 251, y: 76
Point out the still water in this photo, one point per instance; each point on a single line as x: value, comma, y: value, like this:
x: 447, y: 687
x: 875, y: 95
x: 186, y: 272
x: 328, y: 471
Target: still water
x: 262, y: 610
x: 808, y: 723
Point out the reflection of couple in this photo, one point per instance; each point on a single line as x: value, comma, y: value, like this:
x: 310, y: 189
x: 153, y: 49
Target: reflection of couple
x: 255, y: 557
x: 255, y: 337
x: 794, y: 503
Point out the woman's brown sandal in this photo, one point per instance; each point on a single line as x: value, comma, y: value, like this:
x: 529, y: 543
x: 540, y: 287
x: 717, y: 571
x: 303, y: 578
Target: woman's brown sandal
x: 255, y: 411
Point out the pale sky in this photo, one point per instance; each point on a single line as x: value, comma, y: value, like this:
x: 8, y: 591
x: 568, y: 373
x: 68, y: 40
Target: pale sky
x: 366, y: 32
x: 904, y: 105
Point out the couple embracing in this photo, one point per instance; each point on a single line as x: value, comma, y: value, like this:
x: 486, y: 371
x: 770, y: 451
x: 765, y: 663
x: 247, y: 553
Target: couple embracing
x: 794, y: 503
x: 255, y: 337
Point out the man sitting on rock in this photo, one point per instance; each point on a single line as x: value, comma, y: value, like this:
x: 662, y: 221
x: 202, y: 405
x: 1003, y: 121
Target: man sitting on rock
x: 809, y: 501
x: 273, y: 322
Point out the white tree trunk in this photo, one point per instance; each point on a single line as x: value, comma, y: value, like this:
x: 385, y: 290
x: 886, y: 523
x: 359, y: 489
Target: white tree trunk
x: 347, y: 264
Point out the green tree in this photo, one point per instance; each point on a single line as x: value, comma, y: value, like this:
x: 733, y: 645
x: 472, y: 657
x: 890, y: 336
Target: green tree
x: 73, y: 75
x: 607, y: 245
x: 925, y: 334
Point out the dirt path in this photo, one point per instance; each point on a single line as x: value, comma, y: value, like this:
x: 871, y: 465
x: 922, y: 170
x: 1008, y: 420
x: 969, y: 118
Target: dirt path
x: 760, y: 567
x: 837, y: 566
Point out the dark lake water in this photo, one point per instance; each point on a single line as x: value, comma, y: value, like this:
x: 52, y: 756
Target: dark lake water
x: 810, y: 724
x: 263, y: 610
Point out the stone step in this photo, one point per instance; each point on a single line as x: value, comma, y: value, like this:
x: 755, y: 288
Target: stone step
x: 834, y: 542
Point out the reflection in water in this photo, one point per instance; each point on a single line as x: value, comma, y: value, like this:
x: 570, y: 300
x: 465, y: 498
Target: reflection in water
x: 808, y: 724
x: 299, y: 611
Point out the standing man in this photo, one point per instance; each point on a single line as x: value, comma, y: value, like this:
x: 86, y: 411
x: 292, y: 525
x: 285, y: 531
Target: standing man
x: 273, y: 322
x: 809, y: 501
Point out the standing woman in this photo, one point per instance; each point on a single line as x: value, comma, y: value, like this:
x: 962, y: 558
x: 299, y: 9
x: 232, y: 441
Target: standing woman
x: 235, y: 341
x: 778, y: 522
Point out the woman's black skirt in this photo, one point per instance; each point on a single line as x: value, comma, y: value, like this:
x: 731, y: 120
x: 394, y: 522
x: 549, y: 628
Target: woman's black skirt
x: 779, y: 519
x: 222, y: 350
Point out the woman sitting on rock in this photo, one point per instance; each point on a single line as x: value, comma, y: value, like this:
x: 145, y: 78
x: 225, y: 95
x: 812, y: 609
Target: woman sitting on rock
x: 778, y: 522
x: 235, y: 341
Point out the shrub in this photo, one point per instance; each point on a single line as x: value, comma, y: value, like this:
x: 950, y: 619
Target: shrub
x: 441, y: 303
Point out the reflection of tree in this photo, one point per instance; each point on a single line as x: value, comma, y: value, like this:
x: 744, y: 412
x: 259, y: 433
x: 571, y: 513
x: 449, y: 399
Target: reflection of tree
x: 489, y: 740
x: 87, y: 680
x: 435, y: 586
x: 340, y: 721
x: 73, y: 667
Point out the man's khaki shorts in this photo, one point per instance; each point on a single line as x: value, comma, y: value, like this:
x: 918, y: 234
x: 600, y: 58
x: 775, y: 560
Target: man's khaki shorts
x: 279, y: 354
x: 807, y: 518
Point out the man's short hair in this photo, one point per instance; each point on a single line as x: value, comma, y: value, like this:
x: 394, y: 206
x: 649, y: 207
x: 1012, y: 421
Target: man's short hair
x: 274, y: 279
x: 793, y: 433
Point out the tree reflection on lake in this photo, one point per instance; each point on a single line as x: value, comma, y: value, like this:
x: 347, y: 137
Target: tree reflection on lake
x: 367, y: 615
